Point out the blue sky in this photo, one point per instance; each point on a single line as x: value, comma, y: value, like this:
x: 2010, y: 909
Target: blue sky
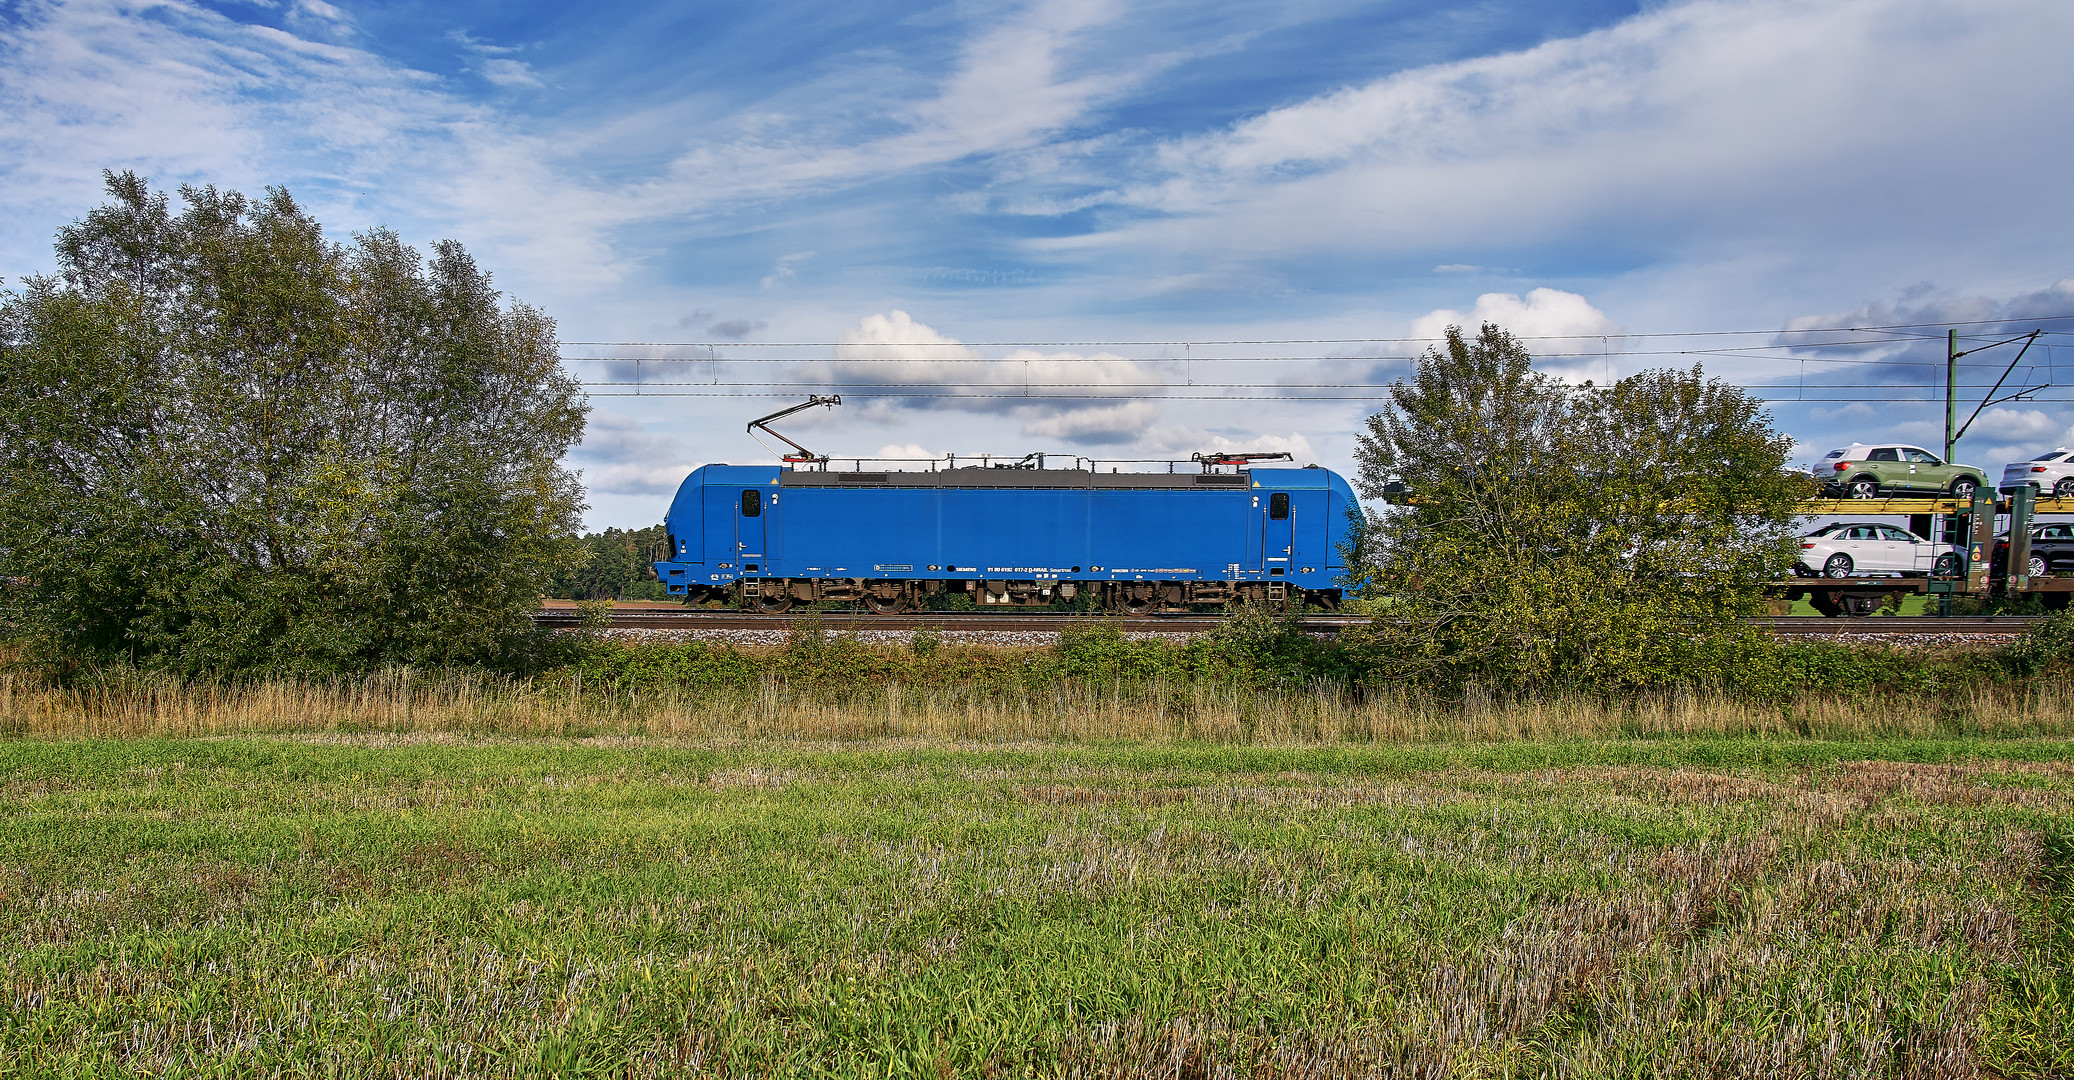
x: 903, y: 185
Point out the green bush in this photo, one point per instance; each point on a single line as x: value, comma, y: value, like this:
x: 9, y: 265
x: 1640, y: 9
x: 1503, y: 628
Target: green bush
x: 2045, y: 646
x: 1264, y: 652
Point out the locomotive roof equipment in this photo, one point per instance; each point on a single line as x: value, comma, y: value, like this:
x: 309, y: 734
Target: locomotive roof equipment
x: 1215, y: 458
x: 800, y: 454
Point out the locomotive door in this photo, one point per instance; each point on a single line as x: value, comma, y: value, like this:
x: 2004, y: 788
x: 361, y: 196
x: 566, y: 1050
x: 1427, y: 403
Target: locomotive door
x: 749, y: 522
x: 1278, y: 535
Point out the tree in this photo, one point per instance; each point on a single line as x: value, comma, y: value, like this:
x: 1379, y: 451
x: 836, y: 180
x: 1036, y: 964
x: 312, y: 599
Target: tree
x: 229, y: 443
x: 618, y: 564
x: 1570, y: 535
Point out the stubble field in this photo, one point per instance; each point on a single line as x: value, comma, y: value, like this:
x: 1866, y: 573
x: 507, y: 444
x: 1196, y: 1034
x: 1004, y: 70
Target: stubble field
x: 439, y: 905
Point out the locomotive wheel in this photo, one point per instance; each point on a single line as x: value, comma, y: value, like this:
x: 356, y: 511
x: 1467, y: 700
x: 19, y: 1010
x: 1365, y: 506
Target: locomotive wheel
x: 892, y: 606
x: 774, y: 605
x: 1145, y: 606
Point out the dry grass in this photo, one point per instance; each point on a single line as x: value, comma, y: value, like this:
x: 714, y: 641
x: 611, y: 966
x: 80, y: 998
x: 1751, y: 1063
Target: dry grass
x: 405, y: 701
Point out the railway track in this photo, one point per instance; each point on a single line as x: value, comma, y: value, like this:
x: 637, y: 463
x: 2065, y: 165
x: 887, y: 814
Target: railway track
x: 1804, y: 626
x: 709, y: 619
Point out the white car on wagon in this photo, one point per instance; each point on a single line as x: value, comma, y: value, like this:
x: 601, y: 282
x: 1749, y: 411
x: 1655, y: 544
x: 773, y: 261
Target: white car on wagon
x: 1852, y: 548
x: 2050, y: 474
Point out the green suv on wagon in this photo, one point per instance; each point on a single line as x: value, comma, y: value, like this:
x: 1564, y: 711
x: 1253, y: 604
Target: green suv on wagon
x: 1860, y: 471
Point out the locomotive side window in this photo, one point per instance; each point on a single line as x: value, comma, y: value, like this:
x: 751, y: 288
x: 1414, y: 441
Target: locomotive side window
x: 752, y: 503
x: 1278, y: 505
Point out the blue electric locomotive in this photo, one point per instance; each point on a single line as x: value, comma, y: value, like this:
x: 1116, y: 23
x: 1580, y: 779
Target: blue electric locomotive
x: 766, y: 536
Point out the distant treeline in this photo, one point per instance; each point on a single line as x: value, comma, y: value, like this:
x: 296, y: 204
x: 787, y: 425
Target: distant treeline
x: 617, y: 565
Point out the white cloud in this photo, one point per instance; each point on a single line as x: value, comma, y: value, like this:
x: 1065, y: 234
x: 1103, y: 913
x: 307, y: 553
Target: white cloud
x: 1104, y: 425
x: 2014, y: 425
x: 635, y: 478
x: 1805, y: 453
x: 782, y: 271
x: 620, y: 457
x: 321, y: 10
x: 1010, y: 91
x: 477, y: 45
x: 894, y: 352
x: 507, y: 72
x: 1543, y: 314
x: 1925, y: 433
x: 181, y: 92
x: 888, y: 337
x: 1704, y: 128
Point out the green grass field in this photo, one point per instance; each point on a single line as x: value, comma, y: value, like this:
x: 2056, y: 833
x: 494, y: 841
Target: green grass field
x: 327, y: 905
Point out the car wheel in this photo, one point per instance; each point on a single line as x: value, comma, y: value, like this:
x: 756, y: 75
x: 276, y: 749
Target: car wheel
x: 2064, y: 489
x: 2036, y: 567
x: 1963, y: 488
x: 1947, y: 564
x: 1839, y: 565
x: 1865, y: 487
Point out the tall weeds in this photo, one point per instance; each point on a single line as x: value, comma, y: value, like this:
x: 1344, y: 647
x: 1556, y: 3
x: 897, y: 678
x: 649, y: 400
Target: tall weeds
x: 129, y: 704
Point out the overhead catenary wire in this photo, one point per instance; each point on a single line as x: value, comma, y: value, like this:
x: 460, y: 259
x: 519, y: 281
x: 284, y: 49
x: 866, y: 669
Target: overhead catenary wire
x: 1826, y: 343
x: 1315, y: 341
x: 1255, y: 399
x: 1785, y: 352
